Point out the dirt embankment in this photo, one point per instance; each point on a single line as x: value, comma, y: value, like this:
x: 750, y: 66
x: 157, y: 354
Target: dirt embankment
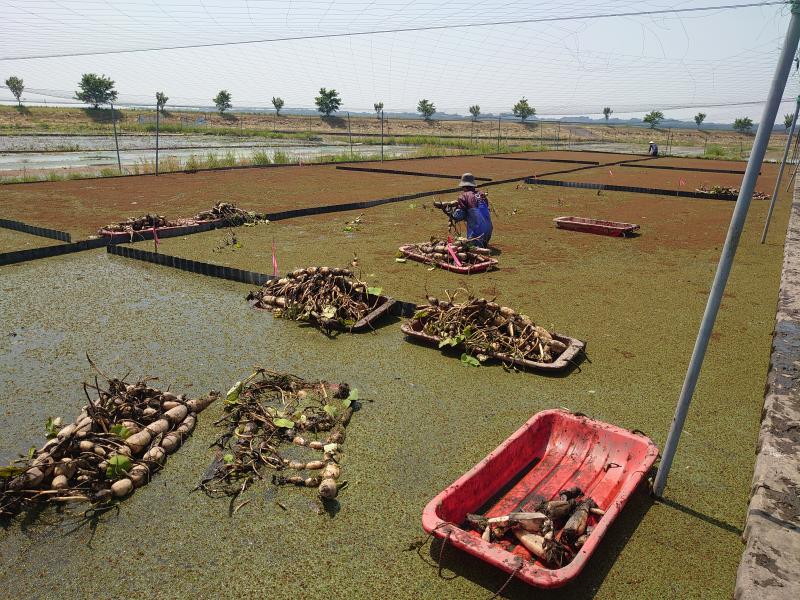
x: 72, y: 120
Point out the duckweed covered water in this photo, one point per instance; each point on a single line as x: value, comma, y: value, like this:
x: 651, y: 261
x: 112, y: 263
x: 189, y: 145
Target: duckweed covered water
x: 431, y: 419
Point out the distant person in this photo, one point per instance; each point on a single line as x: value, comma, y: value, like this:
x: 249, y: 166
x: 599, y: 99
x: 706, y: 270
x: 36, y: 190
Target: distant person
x: 471, y: 206
x: 653, y: 149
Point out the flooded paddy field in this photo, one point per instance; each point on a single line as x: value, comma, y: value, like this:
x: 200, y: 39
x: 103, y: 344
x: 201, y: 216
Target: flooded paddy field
x: 426, y: 418
x: 42, y: 153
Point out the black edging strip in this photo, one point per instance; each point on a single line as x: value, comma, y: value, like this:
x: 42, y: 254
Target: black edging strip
x: 627, y: 188
x: 696, y: 169
x: 17, y: 256
x: 53, y: 234
x: 414, y: 173
x: 553, y: 160
x: 400, y: 309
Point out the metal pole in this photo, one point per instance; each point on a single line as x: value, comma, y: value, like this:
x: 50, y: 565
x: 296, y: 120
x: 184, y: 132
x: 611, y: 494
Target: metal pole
x: 731, y: 242
x: 116, y: 142
x: 780, y: 172
x: 381, y: 135
x: 794, y: 161
x: 158, y: 111
x: 498, y: 135
x: 350, y: 133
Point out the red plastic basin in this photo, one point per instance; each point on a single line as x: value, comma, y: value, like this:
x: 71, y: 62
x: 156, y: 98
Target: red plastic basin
x: 554, y: 450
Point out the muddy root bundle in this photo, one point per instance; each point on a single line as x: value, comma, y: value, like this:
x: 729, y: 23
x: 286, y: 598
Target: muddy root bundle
x: 327, y: 297
x: 486, y: 329
x: 228, y: 212
x: 118, y: 441
x: 282, y: 427
x: 436, y: 251
x: 729, y: 191
x: 132, y: 224
x: 552, y: 534
x: 224, y: 211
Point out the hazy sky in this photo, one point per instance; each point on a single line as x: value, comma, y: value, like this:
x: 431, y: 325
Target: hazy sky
x: 632, y: 64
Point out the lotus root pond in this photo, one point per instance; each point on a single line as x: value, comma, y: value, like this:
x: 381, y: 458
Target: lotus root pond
x: 424, y: 417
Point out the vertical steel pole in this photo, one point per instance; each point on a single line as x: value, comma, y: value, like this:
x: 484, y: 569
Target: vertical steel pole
x: 350, y: 133
x: 158, y: 111
x: 381, y: 135
x: 731, y: 242
x: 780, y: 172
x: 116, y: 142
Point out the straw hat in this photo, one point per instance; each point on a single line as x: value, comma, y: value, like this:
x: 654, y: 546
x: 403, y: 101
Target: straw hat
x: 652, y: 142
x: 467, y: 180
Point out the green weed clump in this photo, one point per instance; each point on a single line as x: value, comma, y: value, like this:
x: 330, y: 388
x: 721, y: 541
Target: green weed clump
x: 192, y: 163
x: 260, y: 158
x: 229, y: 160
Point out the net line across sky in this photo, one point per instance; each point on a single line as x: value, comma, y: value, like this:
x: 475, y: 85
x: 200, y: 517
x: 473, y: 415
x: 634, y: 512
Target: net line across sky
x: 716, y: 60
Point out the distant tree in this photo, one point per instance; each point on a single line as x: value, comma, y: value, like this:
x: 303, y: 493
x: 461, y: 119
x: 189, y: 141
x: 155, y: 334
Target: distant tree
x: 328, y: 101
x: 607, y: 112
x: 95, y: 90
x: 426, y: 109
x: 222, y: 101
x: 14, y: 84
x: 699, y: 118
x: 278, y: 104
x: 161, y: 101
x: 787, y: 119
x: 654, y: 118
x: 378, y: 109
x: 523, y: 110
x: 743, y: 124
x: 475, y: 111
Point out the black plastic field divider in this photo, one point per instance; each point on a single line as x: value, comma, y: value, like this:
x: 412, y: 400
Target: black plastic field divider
x: 18, y: 256
x: 331, y: 208
x: 193, y: 266
x: 397, y: 172
x: 627, y: 188
x: 552, y: 160
x: 400, y: 308
x: 695, y: 169
x: 53, y: 234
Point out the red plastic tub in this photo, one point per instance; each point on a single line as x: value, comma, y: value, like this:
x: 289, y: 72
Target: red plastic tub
x: 484, y: 264
x: 612, y: 228
x: 554, y: 450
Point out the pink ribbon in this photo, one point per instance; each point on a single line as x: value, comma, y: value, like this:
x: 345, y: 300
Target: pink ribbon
x: 453, y: 254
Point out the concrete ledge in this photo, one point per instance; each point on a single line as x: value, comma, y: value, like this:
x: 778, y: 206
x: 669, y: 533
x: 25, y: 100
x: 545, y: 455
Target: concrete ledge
x: 770, y: 565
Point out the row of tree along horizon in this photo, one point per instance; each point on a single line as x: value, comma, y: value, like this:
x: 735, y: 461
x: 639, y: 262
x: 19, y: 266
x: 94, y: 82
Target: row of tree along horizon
x: 97, y: 90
